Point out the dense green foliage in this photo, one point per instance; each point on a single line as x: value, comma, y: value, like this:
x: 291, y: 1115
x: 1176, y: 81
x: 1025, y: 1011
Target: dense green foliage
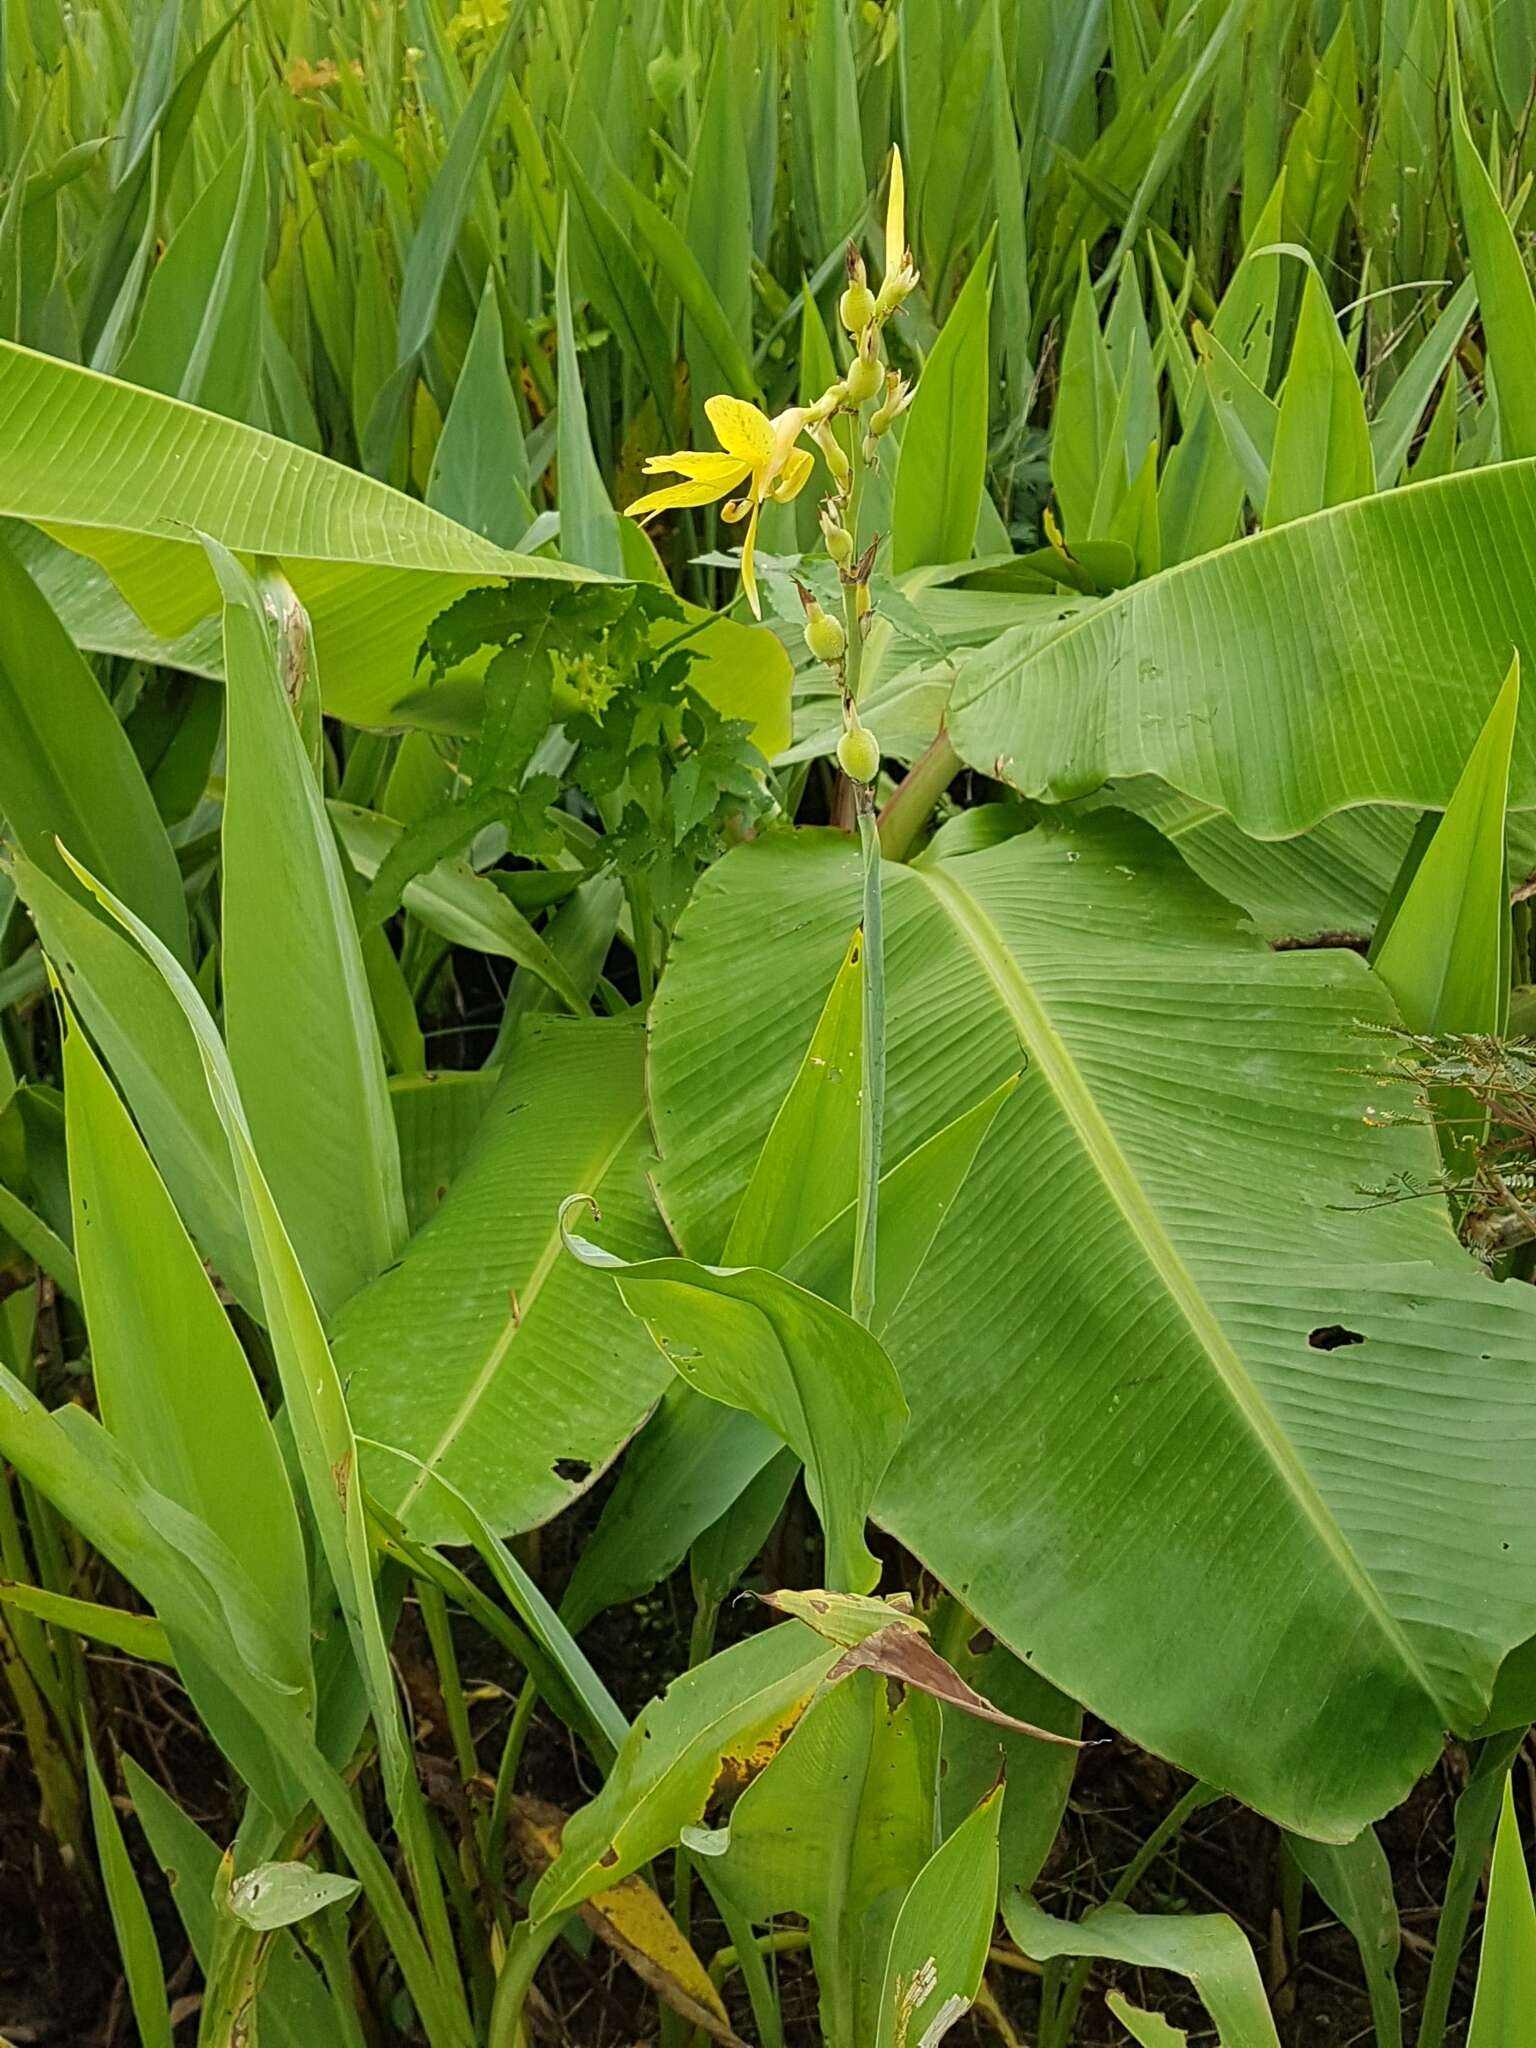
x: 767, y: 823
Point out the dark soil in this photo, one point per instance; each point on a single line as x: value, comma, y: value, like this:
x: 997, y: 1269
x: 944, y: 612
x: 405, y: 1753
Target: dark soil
x: 60, y: 1984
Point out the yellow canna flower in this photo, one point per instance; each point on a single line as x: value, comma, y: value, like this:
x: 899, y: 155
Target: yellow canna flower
x: 754, y: 450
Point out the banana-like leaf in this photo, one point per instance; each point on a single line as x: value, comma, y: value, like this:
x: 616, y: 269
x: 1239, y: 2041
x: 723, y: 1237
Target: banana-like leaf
x: 1342, y: 659
x: 1174, y: 1393
x: 1207, y: 1948
x: 486, y: 1353
x: 131, y: 478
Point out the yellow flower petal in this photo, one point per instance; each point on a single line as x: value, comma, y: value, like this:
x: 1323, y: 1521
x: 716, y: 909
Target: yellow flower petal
x: 794, y: 476
x: 749, y: 565
x: 741, y: 429
x: 737, y: 510
x: 701, y: 468
x: 701, y: 492
x: 896, y: 217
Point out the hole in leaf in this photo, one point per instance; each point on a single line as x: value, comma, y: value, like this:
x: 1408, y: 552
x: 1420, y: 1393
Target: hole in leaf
x: 1331, y: 1336
x: 574, y: 1469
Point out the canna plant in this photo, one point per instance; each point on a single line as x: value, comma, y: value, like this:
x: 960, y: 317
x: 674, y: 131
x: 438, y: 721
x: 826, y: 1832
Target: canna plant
x: 452, y: 1045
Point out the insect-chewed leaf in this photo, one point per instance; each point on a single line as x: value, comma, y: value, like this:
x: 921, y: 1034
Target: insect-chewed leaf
x: 279, y: 1894
x: 1154, y: 1028
x: 1149, y: 2028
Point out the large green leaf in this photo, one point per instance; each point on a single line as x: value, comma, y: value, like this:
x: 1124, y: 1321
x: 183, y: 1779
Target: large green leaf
x: 1342, y: 659
x: 1244, y: 1424
x: 487, y: 1353
x: 297, y: 1012
x: 131, y: 478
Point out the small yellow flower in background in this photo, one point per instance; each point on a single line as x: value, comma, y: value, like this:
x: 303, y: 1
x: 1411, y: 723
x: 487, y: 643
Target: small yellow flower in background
x: 754, y: 450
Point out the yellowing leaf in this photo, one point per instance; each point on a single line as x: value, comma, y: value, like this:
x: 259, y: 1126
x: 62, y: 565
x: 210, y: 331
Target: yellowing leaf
x: 632, y: 1920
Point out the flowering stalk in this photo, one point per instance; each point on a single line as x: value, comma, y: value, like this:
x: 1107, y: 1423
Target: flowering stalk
x: 841, y: 647
x: 761, y: 459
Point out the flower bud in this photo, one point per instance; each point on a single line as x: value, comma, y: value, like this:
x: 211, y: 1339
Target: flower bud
x: 832, y: 454
x: 839, y: 541
x: 824, y: 635
x: 864, y: 378
x: 856, y: 308
x: 858, y: 754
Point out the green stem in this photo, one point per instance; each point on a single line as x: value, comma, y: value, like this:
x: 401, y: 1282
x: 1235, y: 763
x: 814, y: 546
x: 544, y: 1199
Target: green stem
x: 326, y: 1934
x: 784, y: 1941
x: 434, y: 1612
x: 528, y: 1948
x: 872, y: 1097
x: 754, y: 1971
x: 918, y: 791
x: 440, y: 2008
x: 501, y: 1801
x: 1477, y: 1812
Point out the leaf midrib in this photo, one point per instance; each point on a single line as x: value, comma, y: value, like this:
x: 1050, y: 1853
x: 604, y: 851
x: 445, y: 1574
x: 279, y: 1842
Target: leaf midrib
x: 543, y: 1266
x: 1050, y: 1055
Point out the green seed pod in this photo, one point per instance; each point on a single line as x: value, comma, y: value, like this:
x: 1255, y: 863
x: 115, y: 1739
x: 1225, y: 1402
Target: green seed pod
x: 865, y: 378
x: 856, y: 308
x: 824, y: 636
x: 858, y: 754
